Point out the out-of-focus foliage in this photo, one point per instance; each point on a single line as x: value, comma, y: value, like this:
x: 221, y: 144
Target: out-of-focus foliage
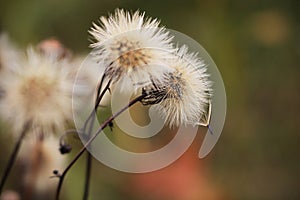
x: 256, y: 46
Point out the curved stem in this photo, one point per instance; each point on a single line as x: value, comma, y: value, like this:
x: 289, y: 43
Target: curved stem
x: 98, y: 99
x: 83, y: 149
x: 66, y: 133
x: 99, y: 96
x: 13, y: 156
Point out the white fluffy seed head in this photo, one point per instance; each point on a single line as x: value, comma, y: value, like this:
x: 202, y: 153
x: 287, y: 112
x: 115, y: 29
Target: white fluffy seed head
x: 131, y: 47
x: 38, y: 89
x: 185, y: 93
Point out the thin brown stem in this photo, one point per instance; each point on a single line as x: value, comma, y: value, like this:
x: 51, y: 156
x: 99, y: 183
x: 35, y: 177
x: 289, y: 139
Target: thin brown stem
x: 83, y: 149
x: 88, y: 172
x: 88, y: 169
x: 13, y: 156
x: 98, y: 99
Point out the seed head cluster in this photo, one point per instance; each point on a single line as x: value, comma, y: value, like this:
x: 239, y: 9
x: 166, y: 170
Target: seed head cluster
x: 132, y: 48
x: 38, y: 89
x: 138, y: 52
x: 133, y: 52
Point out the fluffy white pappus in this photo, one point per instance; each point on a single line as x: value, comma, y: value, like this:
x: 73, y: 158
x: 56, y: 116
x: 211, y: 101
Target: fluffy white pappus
x: 132, y: 48
x: 39, y: 90
x: 185, y: 94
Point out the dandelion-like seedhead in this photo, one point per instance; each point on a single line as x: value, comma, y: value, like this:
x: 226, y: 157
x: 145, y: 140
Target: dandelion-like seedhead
x: 38, y: 89
x: 185, y: 93
x: 135, y: 51
x: 132, y: 48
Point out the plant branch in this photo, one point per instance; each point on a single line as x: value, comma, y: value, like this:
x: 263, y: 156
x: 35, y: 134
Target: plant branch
x: 83, y: 149
x: 97, y: 102
x: 92, y: 117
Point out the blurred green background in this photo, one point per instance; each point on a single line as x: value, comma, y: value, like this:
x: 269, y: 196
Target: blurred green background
x: 256, y: 46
